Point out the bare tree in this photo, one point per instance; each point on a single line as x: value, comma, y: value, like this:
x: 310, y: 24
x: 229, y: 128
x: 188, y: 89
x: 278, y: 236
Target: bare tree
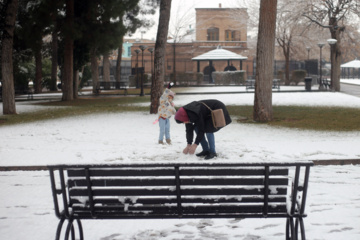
x: 265, y: 61
x: 179, y: 29
x: 8, y: 92
x: 289, y: 29
x: 159, y: 58
x: 332, y: 14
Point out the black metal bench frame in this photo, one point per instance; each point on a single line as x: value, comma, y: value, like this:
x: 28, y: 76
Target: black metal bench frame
x: 102, y: 85
x: 20, y: 91
x: 326, y: 83
x: 180, y: 191
x: 250, y: 84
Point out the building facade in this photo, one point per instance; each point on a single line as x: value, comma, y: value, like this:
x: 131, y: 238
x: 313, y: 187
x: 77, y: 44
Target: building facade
x: 214, y: 26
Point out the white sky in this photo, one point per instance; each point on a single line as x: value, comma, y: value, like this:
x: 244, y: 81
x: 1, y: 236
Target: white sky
x: 182, y: 7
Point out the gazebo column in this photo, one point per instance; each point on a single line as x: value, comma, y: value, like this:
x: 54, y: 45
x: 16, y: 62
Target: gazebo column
x: 241, y: 65
x: 228, y: 64
x: 198, y: 66
x: 210, y: 71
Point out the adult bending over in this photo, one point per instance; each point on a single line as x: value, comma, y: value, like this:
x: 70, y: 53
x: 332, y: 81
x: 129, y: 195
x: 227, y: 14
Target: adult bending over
x: 197, y: 117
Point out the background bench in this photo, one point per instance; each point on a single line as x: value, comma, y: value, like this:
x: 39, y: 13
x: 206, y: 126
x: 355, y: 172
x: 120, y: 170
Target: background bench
x: 250, y: 84
x: 176, y: 191
x: 101, y: 85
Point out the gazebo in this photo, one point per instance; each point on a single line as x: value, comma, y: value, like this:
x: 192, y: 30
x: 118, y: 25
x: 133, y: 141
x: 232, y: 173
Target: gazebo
x: 218, y: 54
x: 351, y: 65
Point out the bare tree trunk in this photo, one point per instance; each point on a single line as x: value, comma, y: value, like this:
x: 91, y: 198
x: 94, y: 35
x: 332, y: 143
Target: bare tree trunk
x: 265, y: 61
x: 94, y: 69
x: 106, y: 69
x: 118, y: 63
x: 159, y: 57
x: 38, y: 71
x: 335, y: 57
x: 54, y: 60
x: 174, y: 62
x: 8, y: 91
x: 335, y: 84
x: 67, y: 86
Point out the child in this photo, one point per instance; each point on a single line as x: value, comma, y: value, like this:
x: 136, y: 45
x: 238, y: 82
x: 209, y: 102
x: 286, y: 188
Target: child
x: 166, y: 110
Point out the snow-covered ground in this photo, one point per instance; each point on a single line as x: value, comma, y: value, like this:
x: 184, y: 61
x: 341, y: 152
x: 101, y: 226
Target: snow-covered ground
x: 26, y: 208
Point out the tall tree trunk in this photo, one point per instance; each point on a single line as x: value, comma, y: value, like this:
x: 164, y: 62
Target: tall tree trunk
x: 76, y: 84
x: 38, y: 71
x: 118, y: 63
x: 94, y: 69
x: 68, y: 54
x: 335, y: 57
x: 159, y: 57
x: 8, y: 91
x: 54, y: 59
x: 265, y: 61
x: 287, y: 67
x: 106, y: 70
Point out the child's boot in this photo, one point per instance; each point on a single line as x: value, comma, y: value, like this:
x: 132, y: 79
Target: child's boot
x: 168, y: 141
x: 161, y: 142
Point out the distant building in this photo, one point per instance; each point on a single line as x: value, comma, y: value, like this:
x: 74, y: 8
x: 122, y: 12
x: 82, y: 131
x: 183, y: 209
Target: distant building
x: 214, y: 26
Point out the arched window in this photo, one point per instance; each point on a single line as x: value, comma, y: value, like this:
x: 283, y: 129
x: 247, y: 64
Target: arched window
x: 213, y: 34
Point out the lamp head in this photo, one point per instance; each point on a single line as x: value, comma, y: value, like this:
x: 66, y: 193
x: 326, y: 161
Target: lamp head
x: 137, y: 51
x: 331, y: 41
x: 321, y: 45
x: 151, y: 50
x: 142, y: 47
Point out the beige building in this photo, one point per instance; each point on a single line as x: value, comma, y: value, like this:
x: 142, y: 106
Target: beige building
x: 214, y: 26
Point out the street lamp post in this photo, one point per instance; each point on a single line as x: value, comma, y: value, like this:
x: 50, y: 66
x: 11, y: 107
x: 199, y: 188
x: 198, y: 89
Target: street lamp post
x: 307, y: 65
x: 332, y: 43
x: 142, y: 47
x: 321, y: 83
x: 151, y: 50
x: 137, y: 51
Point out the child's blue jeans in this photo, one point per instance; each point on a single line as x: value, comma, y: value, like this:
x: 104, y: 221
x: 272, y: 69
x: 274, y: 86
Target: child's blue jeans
x: 164, y: 125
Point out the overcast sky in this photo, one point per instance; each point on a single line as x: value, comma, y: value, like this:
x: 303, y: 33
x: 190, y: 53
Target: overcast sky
x: 186, y: 7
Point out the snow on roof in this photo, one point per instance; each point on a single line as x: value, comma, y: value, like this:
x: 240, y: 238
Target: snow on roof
x: 352, y: 64
x: 219, y: 54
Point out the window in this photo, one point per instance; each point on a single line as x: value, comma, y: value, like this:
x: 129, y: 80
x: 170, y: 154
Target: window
x: 213, y: 34
x: 232, y: 35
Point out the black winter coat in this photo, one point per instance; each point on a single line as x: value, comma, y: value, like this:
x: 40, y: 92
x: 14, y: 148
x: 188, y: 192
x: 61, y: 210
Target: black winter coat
x: 200, y: 117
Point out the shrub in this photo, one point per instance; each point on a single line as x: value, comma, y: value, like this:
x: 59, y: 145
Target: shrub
x: 229, y: 77
x: 187, y: 78
x: 298, y: 76
x: 147, y: 80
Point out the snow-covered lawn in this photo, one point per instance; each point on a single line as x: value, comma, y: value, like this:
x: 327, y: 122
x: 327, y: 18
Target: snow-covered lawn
x: 26, y: 208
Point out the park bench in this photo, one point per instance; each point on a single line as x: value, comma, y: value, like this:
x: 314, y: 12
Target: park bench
x: 326, y: 83
x: 23, y: 91
x: 180, y: 191
x: 102, y: 85
x: 250, y: 84
x: 20, y: 91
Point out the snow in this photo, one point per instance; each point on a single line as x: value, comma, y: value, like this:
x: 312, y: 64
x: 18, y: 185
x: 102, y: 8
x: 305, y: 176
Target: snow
x: 26, y: 207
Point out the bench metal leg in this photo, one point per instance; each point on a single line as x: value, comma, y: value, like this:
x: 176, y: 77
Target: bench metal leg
x: 290, y: 229
x: 69, y: 229
x: 302, y: 228
x: 59, y: 227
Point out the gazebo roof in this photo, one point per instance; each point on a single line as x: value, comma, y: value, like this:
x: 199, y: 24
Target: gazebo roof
x: 352, y: 64
x: 219, y: 54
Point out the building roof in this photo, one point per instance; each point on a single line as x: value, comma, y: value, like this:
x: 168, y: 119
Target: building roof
x: 219, y: 54
x: 352, y: 64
